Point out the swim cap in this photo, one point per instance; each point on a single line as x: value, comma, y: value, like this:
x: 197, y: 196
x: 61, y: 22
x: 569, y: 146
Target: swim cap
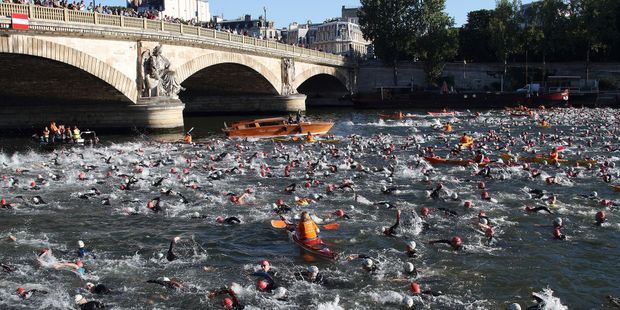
x: 557, y: 233
x: 89, y: 286
x: 339, y: 213
x: 407, y: 302
x: 227, y: 303
x: 165, y: 279
x: 557, y: 221
x: 594, y: 194
x: 43, y: 251
x: 367, y: 263
x: 261, y: 284
x: 600, y: 216
x: 484, y: 221
x: 408, y: 267
x: 21, y: 291
x: 196, y: 214
x: 3, y: 202
x: 514, y: 306
x: 482, y: 214
x: 313, y: 269
x: 383, y: 188
x: 489, y: 232
x: 481, y: 185
x: 485, y: 195
x: 176, y: 239
x: 415, y: 288
x: 424, y: 211
x: 467, y: 204
x: 78, y: 298
x: 411, y: 245
x: 80, y: 243
x: 456, y: 241
x: 219, y: 219
x: 279, y: 293
x: 264, y: 263
x: 249, y: 190
x: 149, y: 204
x: 79, y: 263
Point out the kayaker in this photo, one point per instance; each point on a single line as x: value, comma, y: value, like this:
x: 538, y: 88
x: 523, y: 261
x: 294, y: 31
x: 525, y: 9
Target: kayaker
x: 465, y: 139
x: 187, y: 139
x: 554, y: 156
x: 87, y: 305
x: 309, y: 137
x: 166, y: 282
x: 26, y: 294
x: 307, y: 230
x: 448, y: 127
x: 391, y: 231
x: 455, y: 242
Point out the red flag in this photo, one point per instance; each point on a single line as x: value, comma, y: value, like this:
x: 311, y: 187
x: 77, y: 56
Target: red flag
x: 20, y: 21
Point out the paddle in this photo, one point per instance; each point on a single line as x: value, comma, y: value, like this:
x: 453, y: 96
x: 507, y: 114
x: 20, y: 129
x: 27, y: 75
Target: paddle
x: 282, y: 224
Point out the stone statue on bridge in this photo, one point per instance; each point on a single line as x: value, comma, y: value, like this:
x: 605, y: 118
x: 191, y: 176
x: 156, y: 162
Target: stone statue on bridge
x: 288, y: 77
x: 158, y: 79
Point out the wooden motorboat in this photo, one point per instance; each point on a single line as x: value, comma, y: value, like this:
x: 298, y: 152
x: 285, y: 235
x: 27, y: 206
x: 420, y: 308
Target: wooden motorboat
x: 274, y: 127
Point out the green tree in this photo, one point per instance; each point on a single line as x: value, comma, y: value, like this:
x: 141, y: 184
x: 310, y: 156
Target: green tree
x: 504, y: 26
x: 437, y: 40
x: 389, y: 24
x: 475, y: 37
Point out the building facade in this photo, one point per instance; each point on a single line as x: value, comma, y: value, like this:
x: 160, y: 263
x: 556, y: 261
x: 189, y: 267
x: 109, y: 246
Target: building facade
x: 256, y: 28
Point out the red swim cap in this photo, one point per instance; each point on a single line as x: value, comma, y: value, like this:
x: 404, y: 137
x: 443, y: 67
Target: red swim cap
x: 264, y: 263
x: 21, y: 291
x: 482, y: 214
x: 424, y: 211
x: 79, y: 263
x: 308, y: 184
x: 481, y: 185
x: 173, y: 170
x: 3, y: 201
x: 33, y: 184
x: 467, y: 204
x: 149, y: 204
x: 557, y: 233
x: 485, y: 195
x: 227, y: 303
x: 489, y: 232
x: 43, y: 251
x: 415, y: 288
x: 456, y: 241
x: 600, y: 216
x: 249, y: 190
x: 261, y: 284
x: 219, y: 219
x: 279, y: 202
x: 339, y: 213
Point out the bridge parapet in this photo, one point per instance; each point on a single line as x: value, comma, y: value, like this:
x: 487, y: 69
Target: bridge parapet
x: 64, y: 20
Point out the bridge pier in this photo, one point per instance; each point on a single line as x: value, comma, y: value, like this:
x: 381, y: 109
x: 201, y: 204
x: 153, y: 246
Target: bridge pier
x: 247, y: 104
x: 114, y: 116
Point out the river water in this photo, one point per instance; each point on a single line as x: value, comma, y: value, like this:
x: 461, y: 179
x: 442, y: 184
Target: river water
x: 576, y: 273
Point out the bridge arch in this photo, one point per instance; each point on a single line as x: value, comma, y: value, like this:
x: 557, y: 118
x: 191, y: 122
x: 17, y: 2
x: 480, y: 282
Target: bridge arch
x: 319, y: 70
x: 202, y: 62
x: 54, y: 51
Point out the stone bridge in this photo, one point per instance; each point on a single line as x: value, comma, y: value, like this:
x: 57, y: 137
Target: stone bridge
x: 87, y: 68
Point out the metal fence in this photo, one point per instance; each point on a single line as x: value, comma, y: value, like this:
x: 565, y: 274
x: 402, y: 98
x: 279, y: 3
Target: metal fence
x: 71, y: 16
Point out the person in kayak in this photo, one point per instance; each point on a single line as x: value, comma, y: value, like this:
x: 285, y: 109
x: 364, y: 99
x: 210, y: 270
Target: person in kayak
x: 100, y: 289
x: 554, y: 156
x: 84, y: 304
x: 455, y: 242
x: 465, y: 139
x: 309, y: 137
x: 231, y: 302
x: 83, y: 252
x: 26, y: 294
x: 167, y: 283
x: 391, y: 231
x: 307, y: 230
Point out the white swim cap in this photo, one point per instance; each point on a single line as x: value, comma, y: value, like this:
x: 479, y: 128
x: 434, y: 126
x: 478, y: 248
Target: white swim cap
x: 196, y: 214
x: 408, y: 267
x: 89, y: 285
x: 558, y: 221
x: 594, y: 194
x: 78, y: 298
x: 368, y: 263
x: 279, y: 293
x: 484, y: 221
x: 407, y: 302
x: 80, y: 243
x: 160, y: 255
x: 313, y: 269
x: 514, y: 306
x: 455, y: 196
x: 165, y: 279
x: 412, y: 245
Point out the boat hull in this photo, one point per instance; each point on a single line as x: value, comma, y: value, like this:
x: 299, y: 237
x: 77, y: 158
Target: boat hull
x: 315, y: 247
x: 319, y: 128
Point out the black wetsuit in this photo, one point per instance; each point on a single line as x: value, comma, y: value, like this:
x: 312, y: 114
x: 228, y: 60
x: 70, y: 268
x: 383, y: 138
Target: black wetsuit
x: 167, y: 284
x: 449, y: 242
x: 392, y: 230
x: 7, y: 268
x: 540, y: 208
x: 448, y: 212
x: 100, y: 289
x: 281, y: 209
x: 170, y: 255
x: 307, y: 276
x: 226, y: 291
x: 93, y: 304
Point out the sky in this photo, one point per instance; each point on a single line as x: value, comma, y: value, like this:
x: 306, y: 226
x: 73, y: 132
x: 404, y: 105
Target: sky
x: 283, y: 12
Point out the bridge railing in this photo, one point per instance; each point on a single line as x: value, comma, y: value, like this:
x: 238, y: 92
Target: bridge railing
x: 70, y: 16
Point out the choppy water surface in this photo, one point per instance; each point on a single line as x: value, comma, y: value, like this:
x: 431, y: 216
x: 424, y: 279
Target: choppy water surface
x: 577, y: 273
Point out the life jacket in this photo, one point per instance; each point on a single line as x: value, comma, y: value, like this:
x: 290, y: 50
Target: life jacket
x: 76, y: 133
x: 187, y: 139
x: 306, y: 230
x: 553, y: 156
x: 466, y: 139
x: 448, y: 128
x: 310, y: 138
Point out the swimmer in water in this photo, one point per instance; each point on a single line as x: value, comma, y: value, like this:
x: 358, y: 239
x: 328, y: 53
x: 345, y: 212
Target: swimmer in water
x: 45, y: 256
x: 391, y: 231
x: 97, y: 289
x: 83, y: 252
x: 281, y: 208
x: 229, y: 220
x: 416, y: 291
x: 368, y: 264
x: 167, y: 283
x: 231, y: 302
x: 312, y: 275
x: 27, y: 294
x: 410, y: 251
x: 600, y: 218
x: 537, y: 209
x: 170, y: 256
x: 84, y: 304
x: 455, y: 242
